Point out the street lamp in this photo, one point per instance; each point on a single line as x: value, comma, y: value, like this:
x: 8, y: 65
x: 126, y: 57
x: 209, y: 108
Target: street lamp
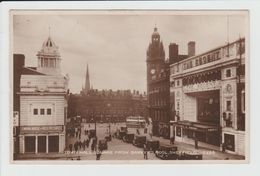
x: 108, y: 105
x: 93, y: 119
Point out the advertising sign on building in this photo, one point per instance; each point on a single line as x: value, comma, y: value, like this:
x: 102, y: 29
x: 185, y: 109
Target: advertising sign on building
x: 16, y: 119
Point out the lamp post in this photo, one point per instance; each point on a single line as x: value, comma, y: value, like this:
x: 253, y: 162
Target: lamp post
x: 108, y: 105
x: 94, y: 120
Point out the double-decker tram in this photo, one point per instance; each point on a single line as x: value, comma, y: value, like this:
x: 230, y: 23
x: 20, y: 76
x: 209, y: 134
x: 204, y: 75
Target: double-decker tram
x: 136, y: 125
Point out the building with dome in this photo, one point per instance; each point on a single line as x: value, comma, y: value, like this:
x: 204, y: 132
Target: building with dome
x: 43, y: 103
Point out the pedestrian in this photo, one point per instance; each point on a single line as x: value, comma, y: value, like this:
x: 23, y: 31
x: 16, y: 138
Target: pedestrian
x: 196, y: 143
x: 76, y: 146
x: 84, y: 145
x: 70, y: 147
x: 145, y: 152
x: 92, y: 147
x: 223, y: 147
x: 79, y: 135
x: 98, y: 154
x: 137, y: 131
x: 172, y: 139
x: 80, y: 144
x: 87, y: 142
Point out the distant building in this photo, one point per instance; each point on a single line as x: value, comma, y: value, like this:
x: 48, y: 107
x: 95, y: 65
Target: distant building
x: 94, y: 105
x: 106, y: 105
x: 209, y: 97
x: 43, y: 104
x: 158, y: 86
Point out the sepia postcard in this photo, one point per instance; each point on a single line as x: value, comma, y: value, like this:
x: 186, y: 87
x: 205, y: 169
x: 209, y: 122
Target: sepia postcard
x: 129, y: 86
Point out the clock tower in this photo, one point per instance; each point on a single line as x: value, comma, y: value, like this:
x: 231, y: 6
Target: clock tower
x: 157, y: 85
x: 155, y: 56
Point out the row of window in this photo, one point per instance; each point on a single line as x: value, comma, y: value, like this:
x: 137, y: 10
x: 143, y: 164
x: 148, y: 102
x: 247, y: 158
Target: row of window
x: 158, y: 89
x: 159, y: 115
x: 42, y: 111
x: 158, y: 102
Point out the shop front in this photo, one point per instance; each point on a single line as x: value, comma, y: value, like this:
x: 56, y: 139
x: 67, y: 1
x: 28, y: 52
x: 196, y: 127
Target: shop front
x: 42, y: 139
x: 205, y: 133
x: 164, y: 130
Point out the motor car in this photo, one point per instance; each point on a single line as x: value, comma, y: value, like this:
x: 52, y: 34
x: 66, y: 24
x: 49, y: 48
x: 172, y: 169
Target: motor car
x: 102, y: 144
x: 108, y: 138
x: 121, y: 134
x: 123, y: 128
x: 129, y: 137
x: 152, y: 145
x: 92, y: 133
x: 139, y: 140
x: 167, y: 152
x: 190, y: 156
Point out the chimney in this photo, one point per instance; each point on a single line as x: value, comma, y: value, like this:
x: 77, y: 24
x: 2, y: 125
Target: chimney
x: 173, y: 53
x: 191, y: 48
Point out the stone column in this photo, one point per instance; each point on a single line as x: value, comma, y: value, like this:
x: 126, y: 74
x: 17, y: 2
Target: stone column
x: 36, y: 144
x: 22, y: 144
x: 47, y: 144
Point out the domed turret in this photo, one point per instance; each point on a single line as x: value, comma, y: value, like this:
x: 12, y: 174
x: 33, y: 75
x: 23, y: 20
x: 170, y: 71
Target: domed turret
x: 49, y: 58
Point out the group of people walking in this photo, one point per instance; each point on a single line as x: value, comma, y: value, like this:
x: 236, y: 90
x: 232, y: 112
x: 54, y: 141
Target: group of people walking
x: 82, y: 143
x: 78, y: 145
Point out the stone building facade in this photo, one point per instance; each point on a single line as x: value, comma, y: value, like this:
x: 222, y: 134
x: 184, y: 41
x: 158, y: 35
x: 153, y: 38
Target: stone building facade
x: 43, y: 104
x: 209, y: 98
x: 107, y: 105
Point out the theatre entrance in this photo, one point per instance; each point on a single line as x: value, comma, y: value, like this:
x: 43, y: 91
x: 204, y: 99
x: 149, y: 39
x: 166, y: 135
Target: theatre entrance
x: 208, y: 106
x: 207, y: 127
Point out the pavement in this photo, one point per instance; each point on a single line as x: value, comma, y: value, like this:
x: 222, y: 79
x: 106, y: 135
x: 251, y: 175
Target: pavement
x: 119, y: 150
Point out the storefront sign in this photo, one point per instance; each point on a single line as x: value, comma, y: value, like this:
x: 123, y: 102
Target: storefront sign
x: 206, y: 86
x: 33, y: 129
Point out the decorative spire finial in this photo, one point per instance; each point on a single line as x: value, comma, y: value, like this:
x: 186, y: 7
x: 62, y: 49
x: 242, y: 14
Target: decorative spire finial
x: 49, y: 31
x: 155, y: 28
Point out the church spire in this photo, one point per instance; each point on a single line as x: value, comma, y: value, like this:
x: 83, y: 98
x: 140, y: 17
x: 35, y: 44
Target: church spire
x: 87, y: 82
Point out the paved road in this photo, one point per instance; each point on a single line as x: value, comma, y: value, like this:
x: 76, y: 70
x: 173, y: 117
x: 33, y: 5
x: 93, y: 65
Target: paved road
x: 118, y: 150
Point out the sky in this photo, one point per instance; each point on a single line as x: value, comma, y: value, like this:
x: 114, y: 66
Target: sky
x: 114, y: 44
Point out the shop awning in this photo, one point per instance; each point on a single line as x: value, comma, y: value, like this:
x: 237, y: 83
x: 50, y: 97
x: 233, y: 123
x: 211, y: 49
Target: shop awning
x: 196, y: 126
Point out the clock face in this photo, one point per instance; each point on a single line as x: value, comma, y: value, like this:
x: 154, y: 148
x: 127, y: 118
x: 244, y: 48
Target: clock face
x: 152, y: 71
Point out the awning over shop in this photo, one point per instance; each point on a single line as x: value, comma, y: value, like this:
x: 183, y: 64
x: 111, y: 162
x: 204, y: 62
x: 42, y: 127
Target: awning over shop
x: 196, y: 126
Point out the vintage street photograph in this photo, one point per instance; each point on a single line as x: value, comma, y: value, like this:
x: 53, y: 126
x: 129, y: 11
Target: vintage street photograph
x: 129, y: 85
